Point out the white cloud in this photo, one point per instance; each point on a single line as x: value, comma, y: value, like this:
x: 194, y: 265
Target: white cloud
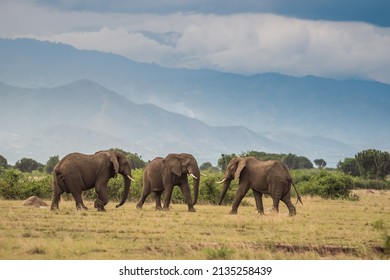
x: 240, y: 43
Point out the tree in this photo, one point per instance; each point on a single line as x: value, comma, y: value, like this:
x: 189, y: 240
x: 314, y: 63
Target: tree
x: 3, y: 162
x: 320, y: 163
x: 224, y: 160
x: 51, y: 163
x: 373, y: 164
x: 349, y: 166
x: 262, y: 155
x: 28, y: 165
x: 295, y: 162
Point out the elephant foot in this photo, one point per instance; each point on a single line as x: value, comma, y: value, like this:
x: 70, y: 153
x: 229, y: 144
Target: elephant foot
x: 54, y: 208
x: 139, y: 206
x: 165, y: 208
x: 158, y: 208
x: 261, y: 213
x: 293, y: 213
x: 191, y: 209
x: 101, y: 209
x: 82, y: 207
x: 233, y: 212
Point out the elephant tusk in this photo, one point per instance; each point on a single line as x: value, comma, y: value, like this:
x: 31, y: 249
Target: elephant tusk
x: 128, y: 176
x: 220, y: 182
x: 193, y: 176
x: 204, y: 175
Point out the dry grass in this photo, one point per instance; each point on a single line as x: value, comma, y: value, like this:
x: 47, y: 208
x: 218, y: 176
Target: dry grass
x: 323, y: 229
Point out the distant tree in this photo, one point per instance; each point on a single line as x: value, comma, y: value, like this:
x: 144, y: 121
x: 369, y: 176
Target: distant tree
x: 304, y: 163
x: 262, y: 155
x: 320, y: 163
x: 295, y: 162
x: 373, y: 164
x: 208, y: 166
x: 28, y: 165
x: 205, y: 166
x: 3, y: 162
x: 51, y: 163
x: 348, y: 166
x: 224, y: 160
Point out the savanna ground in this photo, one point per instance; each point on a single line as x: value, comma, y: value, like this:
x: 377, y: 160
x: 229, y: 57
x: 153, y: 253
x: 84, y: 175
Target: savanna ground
x: 322, y: 229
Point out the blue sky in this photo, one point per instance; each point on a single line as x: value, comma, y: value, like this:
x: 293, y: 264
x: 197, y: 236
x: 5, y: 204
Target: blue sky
x: 338, y: 39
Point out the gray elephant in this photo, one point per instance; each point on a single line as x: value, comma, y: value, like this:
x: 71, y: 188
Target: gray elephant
x: 78, y: 172
x: 263, y: 177
x: 162, y: 174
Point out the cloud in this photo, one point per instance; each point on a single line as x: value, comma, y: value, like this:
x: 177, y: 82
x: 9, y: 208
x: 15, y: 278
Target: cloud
x: 373, y: 11
x: 245, y: 43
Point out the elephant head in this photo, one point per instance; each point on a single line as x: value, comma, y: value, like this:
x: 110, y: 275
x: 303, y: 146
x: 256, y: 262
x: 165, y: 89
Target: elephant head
x: 180, y: 164
x: 120, y: 165
x: 233, y: 171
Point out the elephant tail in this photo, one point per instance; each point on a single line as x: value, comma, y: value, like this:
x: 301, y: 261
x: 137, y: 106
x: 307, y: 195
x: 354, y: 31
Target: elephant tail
x: 59, y: 180
x: 299, y: 198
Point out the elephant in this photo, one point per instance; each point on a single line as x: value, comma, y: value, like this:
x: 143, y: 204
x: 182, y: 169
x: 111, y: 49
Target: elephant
x: 78, y: 172
x: 162, y: 174
x: 263, y: 177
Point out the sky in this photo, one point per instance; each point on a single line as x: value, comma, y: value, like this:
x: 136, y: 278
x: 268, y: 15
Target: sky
x: 337, y: 39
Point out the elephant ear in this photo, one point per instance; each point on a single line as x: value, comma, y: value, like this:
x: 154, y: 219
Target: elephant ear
x: 115, y: 163
x: 240, y: 166
x: 173, y: 164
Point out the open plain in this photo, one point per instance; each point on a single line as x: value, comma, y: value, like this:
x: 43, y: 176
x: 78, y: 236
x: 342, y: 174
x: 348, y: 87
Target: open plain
x: 322, y: 229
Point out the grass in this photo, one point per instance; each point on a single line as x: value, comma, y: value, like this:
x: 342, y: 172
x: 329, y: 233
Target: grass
x: 323, y: 229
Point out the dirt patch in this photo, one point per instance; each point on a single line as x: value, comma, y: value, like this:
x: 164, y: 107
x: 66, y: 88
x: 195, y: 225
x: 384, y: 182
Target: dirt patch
x: 322, y: 250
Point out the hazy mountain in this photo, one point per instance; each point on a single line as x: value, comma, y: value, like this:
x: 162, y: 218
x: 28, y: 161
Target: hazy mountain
x: 84, y: 116
x: 311, y: 116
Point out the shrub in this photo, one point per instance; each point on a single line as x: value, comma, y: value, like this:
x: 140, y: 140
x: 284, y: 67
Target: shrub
x: 361, y: 183
x: 328, y: 185
x: 222, y: 253
x: 17, y: 185
x: 9, y: 184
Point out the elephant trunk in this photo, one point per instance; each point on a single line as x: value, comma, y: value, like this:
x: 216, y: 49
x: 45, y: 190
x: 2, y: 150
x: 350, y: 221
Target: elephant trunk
x: 126, y: 190
x: 226, y: 185
x: 196, y: 181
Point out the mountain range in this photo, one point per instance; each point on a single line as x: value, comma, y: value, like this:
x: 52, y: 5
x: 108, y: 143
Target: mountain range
x: 57, y: 99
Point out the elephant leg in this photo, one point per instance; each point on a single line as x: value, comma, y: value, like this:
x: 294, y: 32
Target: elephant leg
x: 56, y: 199
x: 157, y: 196
x: 185, y: 189
x: 79, y: 201
x: 102, y: 199
x: 259, y: 201
x: 144, y: 195
x: 240, y: 194
x: 291, y: 208
x: 168, y: 196
x: 275, y: 204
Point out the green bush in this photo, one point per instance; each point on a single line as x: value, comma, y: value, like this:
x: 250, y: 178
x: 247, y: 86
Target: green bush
x: 328, y: 185
x: 17, y: 185
x: 361, y: 183
x: 210, y: 191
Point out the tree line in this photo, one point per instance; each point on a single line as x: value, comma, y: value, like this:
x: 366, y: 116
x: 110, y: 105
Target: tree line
x: 369, y: 164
